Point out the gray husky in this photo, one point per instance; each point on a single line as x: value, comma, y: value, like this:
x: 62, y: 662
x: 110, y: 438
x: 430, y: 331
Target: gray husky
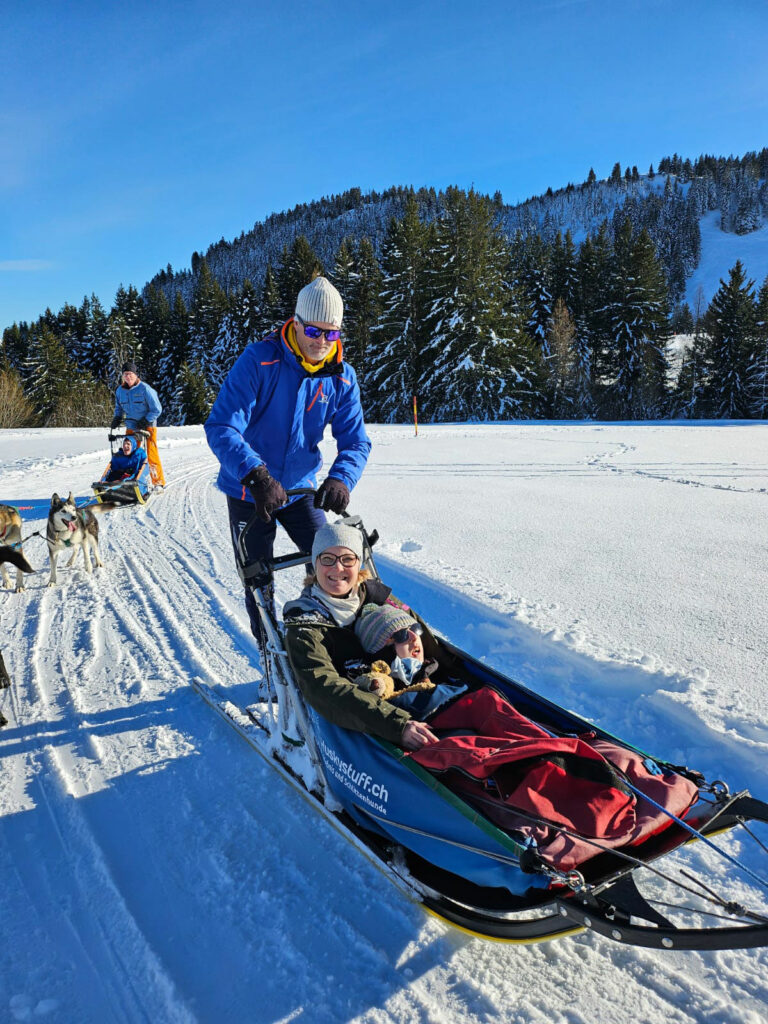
x: 70, y: 527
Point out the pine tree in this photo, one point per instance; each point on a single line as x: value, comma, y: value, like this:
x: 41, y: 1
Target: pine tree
x: 479, y: 362
x: 157, y: 321
x: 400, y: 334
x: 193, y: 396
x: 272, y: 313
x: 563, y: 270
x: 174, y: 356
x: 731, y: 322
x: 757, y: 372
x: 129, y: 307
x: 208, y: 311
x: 562, y: 335
x: 122, y: 343
x: 48, y: 373
x: 591, y: 313
x: 96, y: 350
x: 362, y: 312
x: 299, y: 266
x: 343, y: 267
x: 638, y: 315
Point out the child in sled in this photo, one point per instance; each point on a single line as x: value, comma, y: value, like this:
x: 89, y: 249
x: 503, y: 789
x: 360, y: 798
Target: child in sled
x: 127, y: 463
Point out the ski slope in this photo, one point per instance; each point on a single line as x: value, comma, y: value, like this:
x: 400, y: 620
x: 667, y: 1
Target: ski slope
x: 153, y: 867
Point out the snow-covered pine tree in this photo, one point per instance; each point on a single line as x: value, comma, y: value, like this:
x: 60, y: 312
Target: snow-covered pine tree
x: 299, y: 265
x: 530, y: 271
x: 563, y: 270
x: 247, y: 315
x: 157, y: 319
x: 479, y: 362
x: 343, y: 266
x: 96, y: 350
x: 193, y: 396
x: 123, y: 345
x: 361, y: 312
x: 638, y: 316
x: 591, y: 313
x: 47, y: 371
x: 174, y: 356
x: 731, y: 323
x: 272, y: 313
x: 757, y: 371
x: 210, y: 306
x: 130, y: 309
x: 400, y: 333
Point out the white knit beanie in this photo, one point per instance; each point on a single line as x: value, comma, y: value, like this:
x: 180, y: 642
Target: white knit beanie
x: 320, y: 303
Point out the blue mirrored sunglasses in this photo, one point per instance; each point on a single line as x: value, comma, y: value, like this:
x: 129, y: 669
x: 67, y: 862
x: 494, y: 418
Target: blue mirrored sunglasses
x: 317, y: 332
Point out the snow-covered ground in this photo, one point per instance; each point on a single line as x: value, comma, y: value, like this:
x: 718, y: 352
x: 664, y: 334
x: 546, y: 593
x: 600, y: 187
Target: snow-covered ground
x: 154, y: 869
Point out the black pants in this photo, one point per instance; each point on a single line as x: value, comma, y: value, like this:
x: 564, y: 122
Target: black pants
x: 300, y: 520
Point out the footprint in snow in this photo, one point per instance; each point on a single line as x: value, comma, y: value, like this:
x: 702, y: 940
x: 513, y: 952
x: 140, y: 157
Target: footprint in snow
x: 410, y: 545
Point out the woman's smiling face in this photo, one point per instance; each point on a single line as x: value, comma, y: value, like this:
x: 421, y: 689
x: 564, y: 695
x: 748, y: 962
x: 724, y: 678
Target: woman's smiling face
x: 337, y: 579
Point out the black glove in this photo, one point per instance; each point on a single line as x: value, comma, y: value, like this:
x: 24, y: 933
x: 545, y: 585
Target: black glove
x: 111, y: 437
x: 143, y: 424
x: 332, y: 496
x: 268, y: 494
x: 115, y: 422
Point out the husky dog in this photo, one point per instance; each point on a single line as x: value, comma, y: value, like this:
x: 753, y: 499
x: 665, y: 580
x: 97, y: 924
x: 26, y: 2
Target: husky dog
x: 10, y: 534
x: 71, y: 527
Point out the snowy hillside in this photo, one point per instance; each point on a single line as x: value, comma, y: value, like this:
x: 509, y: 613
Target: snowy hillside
x: 719, y: 252
x: 154, y: 869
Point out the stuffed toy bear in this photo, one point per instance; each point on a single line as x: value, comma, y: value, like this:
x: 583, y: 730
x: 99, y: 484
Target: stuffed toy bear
x: 379, y: 680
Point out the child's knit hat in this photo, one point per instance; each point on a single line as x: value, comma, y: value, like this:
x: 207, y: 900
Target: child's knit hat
x: 377, y: 623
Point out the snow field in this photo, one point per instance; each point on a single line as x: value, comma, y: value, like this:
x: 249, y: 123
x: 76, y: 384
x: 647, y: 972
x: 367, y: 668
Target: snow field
x: 155, y: 869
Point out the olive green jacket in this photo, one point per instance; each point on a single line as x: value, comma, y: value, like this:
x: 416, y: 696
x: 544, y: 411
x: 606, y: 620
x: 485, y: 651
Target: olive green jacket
x: 324, y: 655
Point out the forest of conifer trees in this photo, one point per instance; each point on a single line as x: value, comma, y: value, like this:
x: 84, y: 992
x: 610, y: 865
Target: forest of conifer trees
x: 484, y: 312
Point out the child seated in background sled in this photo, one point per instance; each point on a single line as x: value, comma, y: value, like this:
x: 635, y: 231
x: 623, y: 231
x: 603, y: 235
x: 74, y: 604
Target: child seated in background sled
x: 127, y: 463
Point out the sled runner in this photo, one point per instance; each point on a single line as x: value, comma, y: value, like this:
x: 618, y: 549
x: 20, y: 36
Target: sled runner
x: 117, y: 489
x: 584, y: 832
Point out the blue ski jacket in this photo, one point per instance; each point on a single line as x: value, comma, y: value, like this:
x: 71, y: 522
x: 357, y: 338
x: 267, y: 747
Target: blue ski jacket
x: 137, y: 403
x: 270, y: 410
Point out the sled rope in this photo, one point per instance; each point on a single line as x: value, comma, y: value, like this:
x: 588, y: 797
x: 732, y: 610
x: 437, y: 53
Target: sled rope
x: 708, y: 842
x: 759, y: 841
x: 637, y: 862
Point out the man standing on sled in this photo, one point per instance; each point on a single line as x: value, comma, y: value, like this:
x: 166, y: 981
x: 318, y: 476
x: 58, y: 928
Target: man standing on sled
x: 269, y: 418
x: 137, y: 403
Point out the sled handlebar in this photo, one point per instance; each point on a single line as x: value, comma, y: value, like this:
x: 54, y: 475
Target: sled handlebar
x: 259, y: 572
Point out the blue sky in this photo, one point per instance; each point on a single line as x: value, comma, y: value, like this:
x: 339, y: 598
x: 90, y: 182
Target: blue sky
x: 133, y: 134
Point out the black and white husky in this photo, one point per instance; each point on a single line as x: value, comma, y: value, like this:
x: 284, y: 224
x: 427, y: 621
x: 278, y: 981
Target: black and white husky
x: 70, y: 528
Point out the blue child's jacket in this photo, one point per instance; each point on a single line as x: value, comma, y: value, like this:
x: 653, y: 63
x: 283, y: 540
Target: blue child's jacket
x: 124, y: 467
x: 270, y: 410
